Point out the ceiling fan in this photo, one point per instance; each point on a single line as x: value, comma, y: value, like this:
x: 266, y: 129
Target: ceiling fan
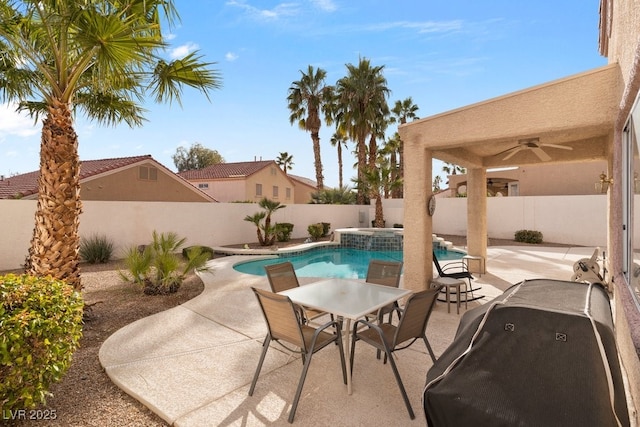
x: 534, y: 145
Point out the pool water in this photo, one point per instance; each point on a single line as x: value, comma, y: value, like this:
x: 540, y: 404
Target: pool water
x: 346, y: 263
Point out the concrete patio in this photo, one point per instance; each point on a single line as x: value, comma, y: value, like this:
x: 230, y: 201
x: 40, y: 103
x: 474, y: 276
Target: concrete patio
x: 193, y: 364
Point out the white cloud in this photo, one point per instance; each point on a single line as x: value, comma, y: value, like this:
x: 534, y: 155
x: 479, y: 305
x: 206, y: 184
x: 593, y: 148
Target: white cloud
x: 279, y: 11
x: 326, y: 5
x: 18, y: 124
x: 230, y: 56
x: 183, y: 50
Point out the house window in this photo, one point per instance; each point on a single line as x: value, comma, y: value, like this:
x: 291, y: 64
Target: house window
x: 275, y: 191
x: 147, y: 173
x: 288, y: 193
x: 631, y: 187
x: 203, y: 186
x: 258, y: 189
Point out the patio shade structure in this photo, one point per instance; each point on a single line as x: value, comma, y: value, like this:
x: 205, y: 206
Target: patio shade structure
x: 576, y: 112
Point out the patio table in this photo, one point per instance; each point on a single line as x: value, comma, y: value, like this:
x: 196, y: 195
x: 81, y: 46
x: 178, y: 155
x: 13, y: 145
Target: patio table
x: 347, y: 299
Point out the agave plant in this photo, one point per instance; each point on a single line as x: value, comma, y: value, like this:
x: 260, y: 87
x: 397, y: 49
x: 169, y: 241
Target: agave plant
x: 158, y: 267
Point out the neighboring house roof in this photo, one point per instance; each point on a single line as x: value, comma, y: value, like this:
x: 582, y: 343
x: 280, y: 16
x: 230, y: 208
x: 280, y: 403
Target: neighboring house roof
x: 227, y: 170
x: 305, y: 181
x: 24, y: 185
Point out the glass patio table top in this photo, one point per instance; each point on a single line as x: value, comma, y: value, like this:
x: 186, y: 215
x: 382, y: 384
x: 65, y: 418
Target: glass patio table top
x: 347, y: 298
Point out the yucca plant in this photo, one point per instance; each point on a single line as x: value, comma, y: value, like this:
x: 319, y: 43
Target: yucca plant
x: 96, y: 249
x: 158, y: 267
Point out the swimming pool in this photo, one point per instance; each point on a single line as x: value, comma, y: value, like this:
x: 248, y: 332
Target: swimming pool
x: 346, y: 263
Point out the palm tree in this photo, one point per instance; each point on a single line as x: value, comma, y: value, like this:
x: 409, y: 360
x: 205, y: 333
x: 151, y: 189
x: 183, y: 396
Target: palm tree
x: 270, y: 207
x: 379, y: 183
x: 100, y: 57
x: 361, y: 101
x: 391, y: 147
x: 285, y: 161
x: 307, y: 98
x: 401, y: 111
x: 338, y: 140
x: 452, y: 169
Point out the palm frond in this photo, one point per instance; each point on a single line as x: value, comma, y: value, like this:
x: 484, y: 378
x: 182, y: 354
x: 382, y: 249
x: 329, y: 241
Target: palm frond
x: 169, y: 77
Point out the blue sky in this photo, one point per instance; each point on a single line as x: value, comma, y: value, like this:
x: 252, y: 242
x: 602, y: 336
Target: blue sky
x: 443, y: 54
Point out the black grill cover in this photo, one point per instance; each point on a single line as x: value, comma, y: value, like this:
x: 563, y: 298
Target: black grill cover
x: 541, y: 354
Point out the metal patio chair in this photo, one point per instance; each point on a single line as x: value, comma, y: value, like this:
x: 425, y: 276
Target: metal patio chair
x: 390, y: 338
x: 286, y: 326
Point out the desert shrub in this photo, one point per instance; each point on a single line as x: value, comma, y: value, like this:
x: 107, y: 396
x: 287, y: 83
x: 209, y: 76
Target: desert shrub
x: 315, y: 231
x: 326, y: 226
x: 283, y: 231
x: 41, y: 320
x: 528, y: 236
x: 96, y: 249
x: 158, y: 268
x: 203, y: 249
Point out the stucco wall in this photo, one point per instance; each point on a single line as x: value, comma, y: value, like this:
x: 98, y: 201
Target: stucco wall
x: 574, y: 219
x: 131, y: 223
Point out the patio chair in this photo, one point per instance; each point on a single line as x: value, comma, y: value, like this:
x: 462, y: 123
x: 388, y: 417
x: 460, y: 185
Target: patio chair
x: 386, y: 273
x: 286, y: 326
x: 456, y: 270
x: 389, y: 338
x: 281, y: 277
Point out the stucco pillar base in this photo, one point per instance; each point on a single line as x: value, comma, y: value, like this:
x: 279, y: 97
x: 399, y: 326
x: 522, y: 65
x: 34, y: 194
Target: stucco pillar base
x: 477, y: 212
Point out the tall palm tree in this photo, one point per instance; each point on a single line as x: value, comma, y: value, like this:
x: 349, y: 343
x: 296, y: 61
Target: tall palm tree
x: 338, y: 140
x: 391, y: 148
x: 285, y: 161
x: 379, y: 184
x: 96, y: 56
x: 362, y: 100
x: 401, y: 111
x: 307, y: 98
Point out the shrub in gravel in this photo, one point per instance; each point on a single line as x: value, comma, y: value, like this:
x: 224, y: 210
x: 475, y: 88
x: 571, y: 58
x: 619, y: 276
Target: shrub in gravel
x: 41, y: 320
x: 528, y: 236
x: 96, y: 249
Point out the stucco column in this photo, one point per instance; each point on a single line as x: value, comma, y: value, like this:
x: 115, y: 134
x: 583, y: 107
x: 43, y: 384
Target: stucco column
x: 418, y: 265
x: 477, y: 212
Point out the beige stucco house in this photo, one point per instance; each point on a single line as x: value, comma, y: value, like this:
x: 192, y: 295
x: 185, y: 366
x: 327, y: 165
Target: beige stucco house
x: 536, y: 180
x: 250, y: 181
x: 138, y: 178
x: 595, y: 115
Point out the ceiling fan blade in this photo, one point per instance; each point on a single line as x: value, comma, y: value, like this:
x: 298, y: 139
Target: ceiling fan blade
x: 541, y: 154
x: 512, y: 152
x: 562, y: 147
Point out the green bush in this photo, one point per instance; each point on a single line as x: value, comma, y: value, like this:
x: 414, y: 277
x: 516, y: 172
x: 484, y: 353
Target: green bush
x: 202, y: 249
x: 41, y: 323
x: 96, y: 249
x: 315, y: 231
x: 283, y: 231
x: 326, y: 226
x: 528, y: 236
x: 158, y: 268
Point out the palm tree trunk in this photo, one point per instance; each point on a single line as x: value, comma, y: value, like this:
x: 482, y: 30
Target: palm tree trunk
x: 340, y: 163
x: 400, y: 193
x: 379, y: 218
x: 55, y: 241
x: 361, y: 149
x: 317, y: 160
x: 373, y: 151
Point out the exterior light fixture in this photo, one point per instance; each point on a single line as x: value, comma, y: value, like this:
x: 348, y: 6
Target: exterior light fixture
x: 602, y: 186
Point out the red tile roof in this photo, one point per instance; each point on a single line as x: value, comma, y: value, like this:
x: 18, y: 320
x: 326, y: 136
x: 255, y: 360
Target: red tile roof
x: 226, y: 170
x: 27, y: 184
